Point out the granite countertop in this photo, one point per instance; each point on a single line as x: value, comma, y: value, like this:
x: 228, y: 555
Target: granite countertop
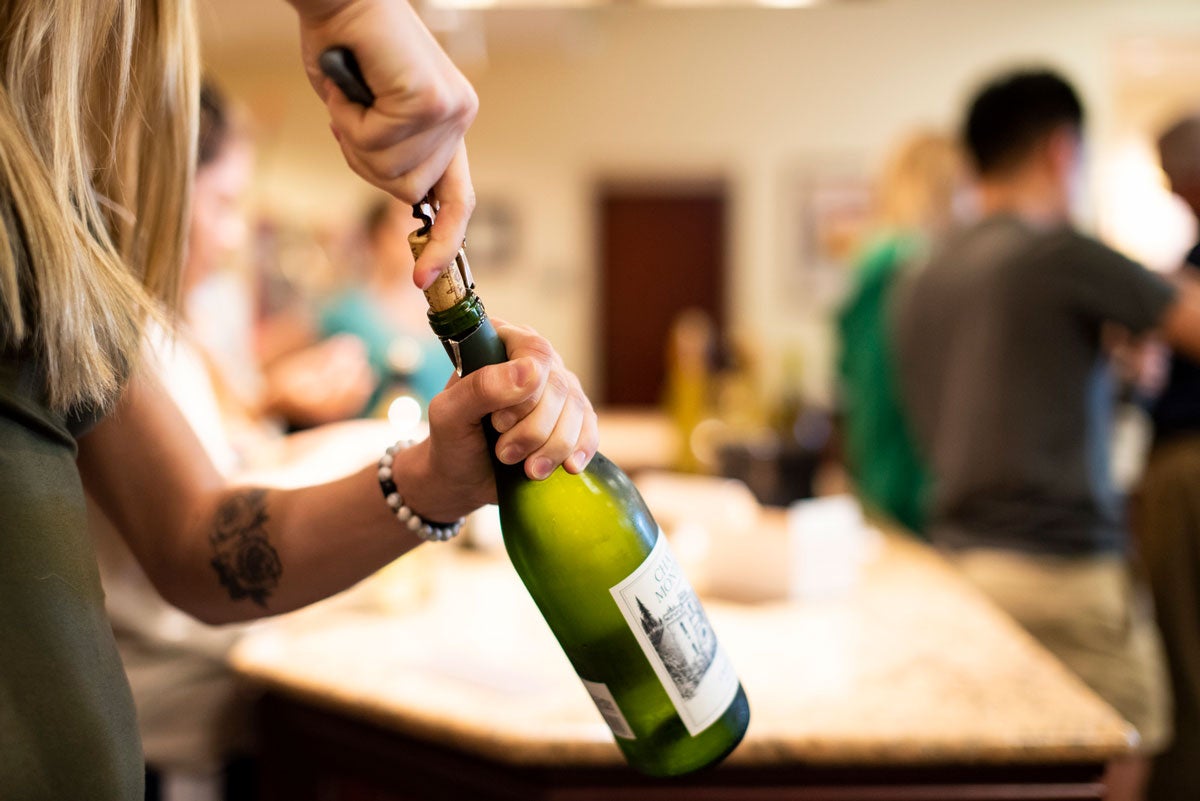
x: 912, y: 667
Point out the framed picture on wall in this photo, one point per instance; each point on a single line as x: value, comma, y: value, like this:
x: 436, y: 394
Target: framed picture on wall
x: 828, y: 209
x: 493, y: 234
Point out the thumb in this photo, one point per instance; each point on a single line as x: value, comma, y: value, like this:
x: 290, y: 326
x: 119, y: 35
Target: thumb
x: 486, y: 390
x: 456, y: 202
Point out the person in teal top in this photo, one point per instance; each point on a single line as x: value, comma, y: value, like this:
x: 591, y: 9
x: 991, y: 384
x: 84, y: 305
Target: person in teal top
x: 416, y: 363
x: 97, y: 134
x: 920, y: 193
x: 387, y: 313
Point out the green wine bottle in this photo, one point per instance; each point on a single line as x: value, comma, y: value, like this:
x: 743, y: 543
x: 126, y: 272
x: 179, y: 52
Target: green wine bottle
x: 602, y: 574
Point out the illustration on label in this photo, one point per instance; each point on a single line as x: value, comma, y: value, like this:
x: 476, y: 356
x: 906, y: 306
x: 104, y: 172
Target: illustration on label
x: 669, y: 623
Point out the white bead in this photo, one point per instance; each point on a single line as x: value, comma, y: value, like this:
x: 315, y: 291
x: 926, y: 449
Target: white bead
x: 386, y: 461
x: 426, y: 532
x: 390, y: 450
x: 385, y: 474
x: 394, y: 500
x: 414, y: 523
x: 404, y: 514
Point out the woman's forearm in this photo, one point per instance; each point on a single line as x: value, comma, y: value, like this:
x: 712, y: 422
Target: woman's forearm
x: 266, y: 551
x: 226, y: 553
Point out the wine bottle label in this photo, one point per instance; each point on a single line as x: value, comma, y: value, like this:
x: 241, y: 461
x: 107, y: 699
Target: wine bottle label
x: 669, y: 623
x: 607, y: 705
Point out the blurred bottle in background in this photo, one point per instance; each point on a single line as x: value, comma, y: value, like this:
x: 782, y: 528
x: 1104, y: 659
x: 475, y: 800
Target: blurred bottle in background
x: 689, y: 392
x: 779, y: 446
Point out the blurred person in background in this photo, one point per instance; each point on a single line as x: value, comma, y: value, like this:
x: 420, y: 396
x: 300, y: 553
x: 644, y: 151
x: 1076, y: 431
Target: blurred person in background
x: 194, y: 718
x: 1007, y: 383
x: 387, y: 314
x: 98, y: 137
x: 322, y: 382
x: 922, y: 193
x: 1168, y: 510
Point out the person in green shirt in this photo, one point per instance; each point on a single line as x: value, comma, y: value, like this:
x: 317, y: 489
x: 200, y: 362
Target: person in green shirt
x: 920, y: 192
x: 97, y: 130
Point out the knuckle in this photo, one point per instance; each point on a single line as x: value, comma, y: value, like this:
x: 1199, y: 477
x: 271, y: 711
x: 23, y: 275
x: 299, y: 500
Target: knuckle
x: 469, y: 107
x: 394, y: 170
x: 538, y: 377
x: 577, y: 389
x: 532, y: 434
x: 539, y: 347
x: 437, y: 406
x: 428, y: 106
x: 434, y: 104
x: 488, y: 383
x: 559, y: 383
x: 524, y: 407
x: 355, y: 163
x: 468, y: 202
x: 405, y: 187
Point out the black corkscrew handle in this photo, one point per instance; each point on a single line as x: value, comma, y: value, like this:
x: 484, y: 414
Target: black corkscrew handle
x: 340, y: 65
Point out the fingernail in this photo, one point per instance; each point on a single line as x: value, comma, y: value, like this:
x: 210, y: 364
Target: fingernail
x: 541, y: 467
x: 578, y: 461
x: 429, y: 280
x: 503, y: 421
x: 510, y: 455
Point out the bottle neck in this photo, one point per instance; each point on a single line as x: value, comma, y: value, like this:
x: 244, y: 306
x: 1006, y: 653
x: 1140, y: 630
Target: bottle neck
x: 460, y: 319
x: 468, y: 335
x: 471, y: 342
x: 457, y: 317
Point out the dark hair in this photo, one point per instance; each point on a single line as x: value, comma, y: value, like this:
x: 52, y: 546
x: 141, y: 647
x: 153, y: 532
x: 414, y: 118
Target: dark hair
x: 214, y: 123
x: 1012, y: 114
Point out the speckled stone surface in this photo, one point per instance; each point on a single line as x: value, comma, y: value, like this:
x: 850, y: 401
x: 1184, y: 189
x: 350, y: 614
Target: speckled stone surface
x: 913, y: 667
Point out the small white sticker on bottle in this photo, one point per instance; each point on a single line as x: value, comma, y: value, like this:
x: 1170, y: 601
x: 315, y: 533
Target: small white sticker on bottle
x: 669, y: 623
x: 607, y: 705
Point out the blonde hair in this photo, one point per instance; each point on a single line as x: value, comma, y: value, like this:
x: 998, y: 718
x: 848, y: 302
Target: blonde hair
x: 920, y: 181
x: 97, y: 146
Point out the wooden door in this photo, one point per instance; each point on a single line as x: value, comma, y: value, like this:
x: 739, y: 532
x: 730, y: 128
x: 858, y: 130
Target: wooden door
x: 662, y: 250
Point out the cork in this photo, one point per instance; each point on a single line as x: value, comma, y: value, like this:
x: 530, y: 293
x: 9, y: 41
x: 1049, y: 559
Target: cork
x: 450, y: 286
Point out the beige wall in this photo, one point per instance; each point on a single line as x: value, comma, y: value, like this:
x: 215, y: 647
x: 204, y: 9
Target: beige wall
x: 749, y: 95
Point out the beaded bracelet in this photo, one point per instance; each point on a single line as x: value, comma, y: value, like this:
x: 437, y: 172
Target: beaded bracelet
x: 425, y: 529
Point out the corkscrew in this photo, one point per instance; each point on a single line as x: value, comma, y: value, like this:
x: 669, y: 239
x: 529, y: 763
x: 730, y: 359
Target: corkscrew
x: 426, y: 212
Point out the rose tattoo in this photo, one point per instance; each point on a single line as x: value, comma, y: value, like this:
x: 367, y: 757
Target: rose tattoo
x: 246, y: 563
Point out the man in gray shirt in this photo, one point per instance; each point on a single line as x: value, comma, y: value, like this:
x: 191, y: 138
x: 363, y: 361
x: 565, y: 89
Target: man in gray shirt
x: 1001, y: 345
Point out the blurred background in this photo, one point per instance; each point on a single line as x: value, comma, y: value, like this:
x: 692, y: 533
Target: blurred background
x: 677, y: 194
x: 754, y: 126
